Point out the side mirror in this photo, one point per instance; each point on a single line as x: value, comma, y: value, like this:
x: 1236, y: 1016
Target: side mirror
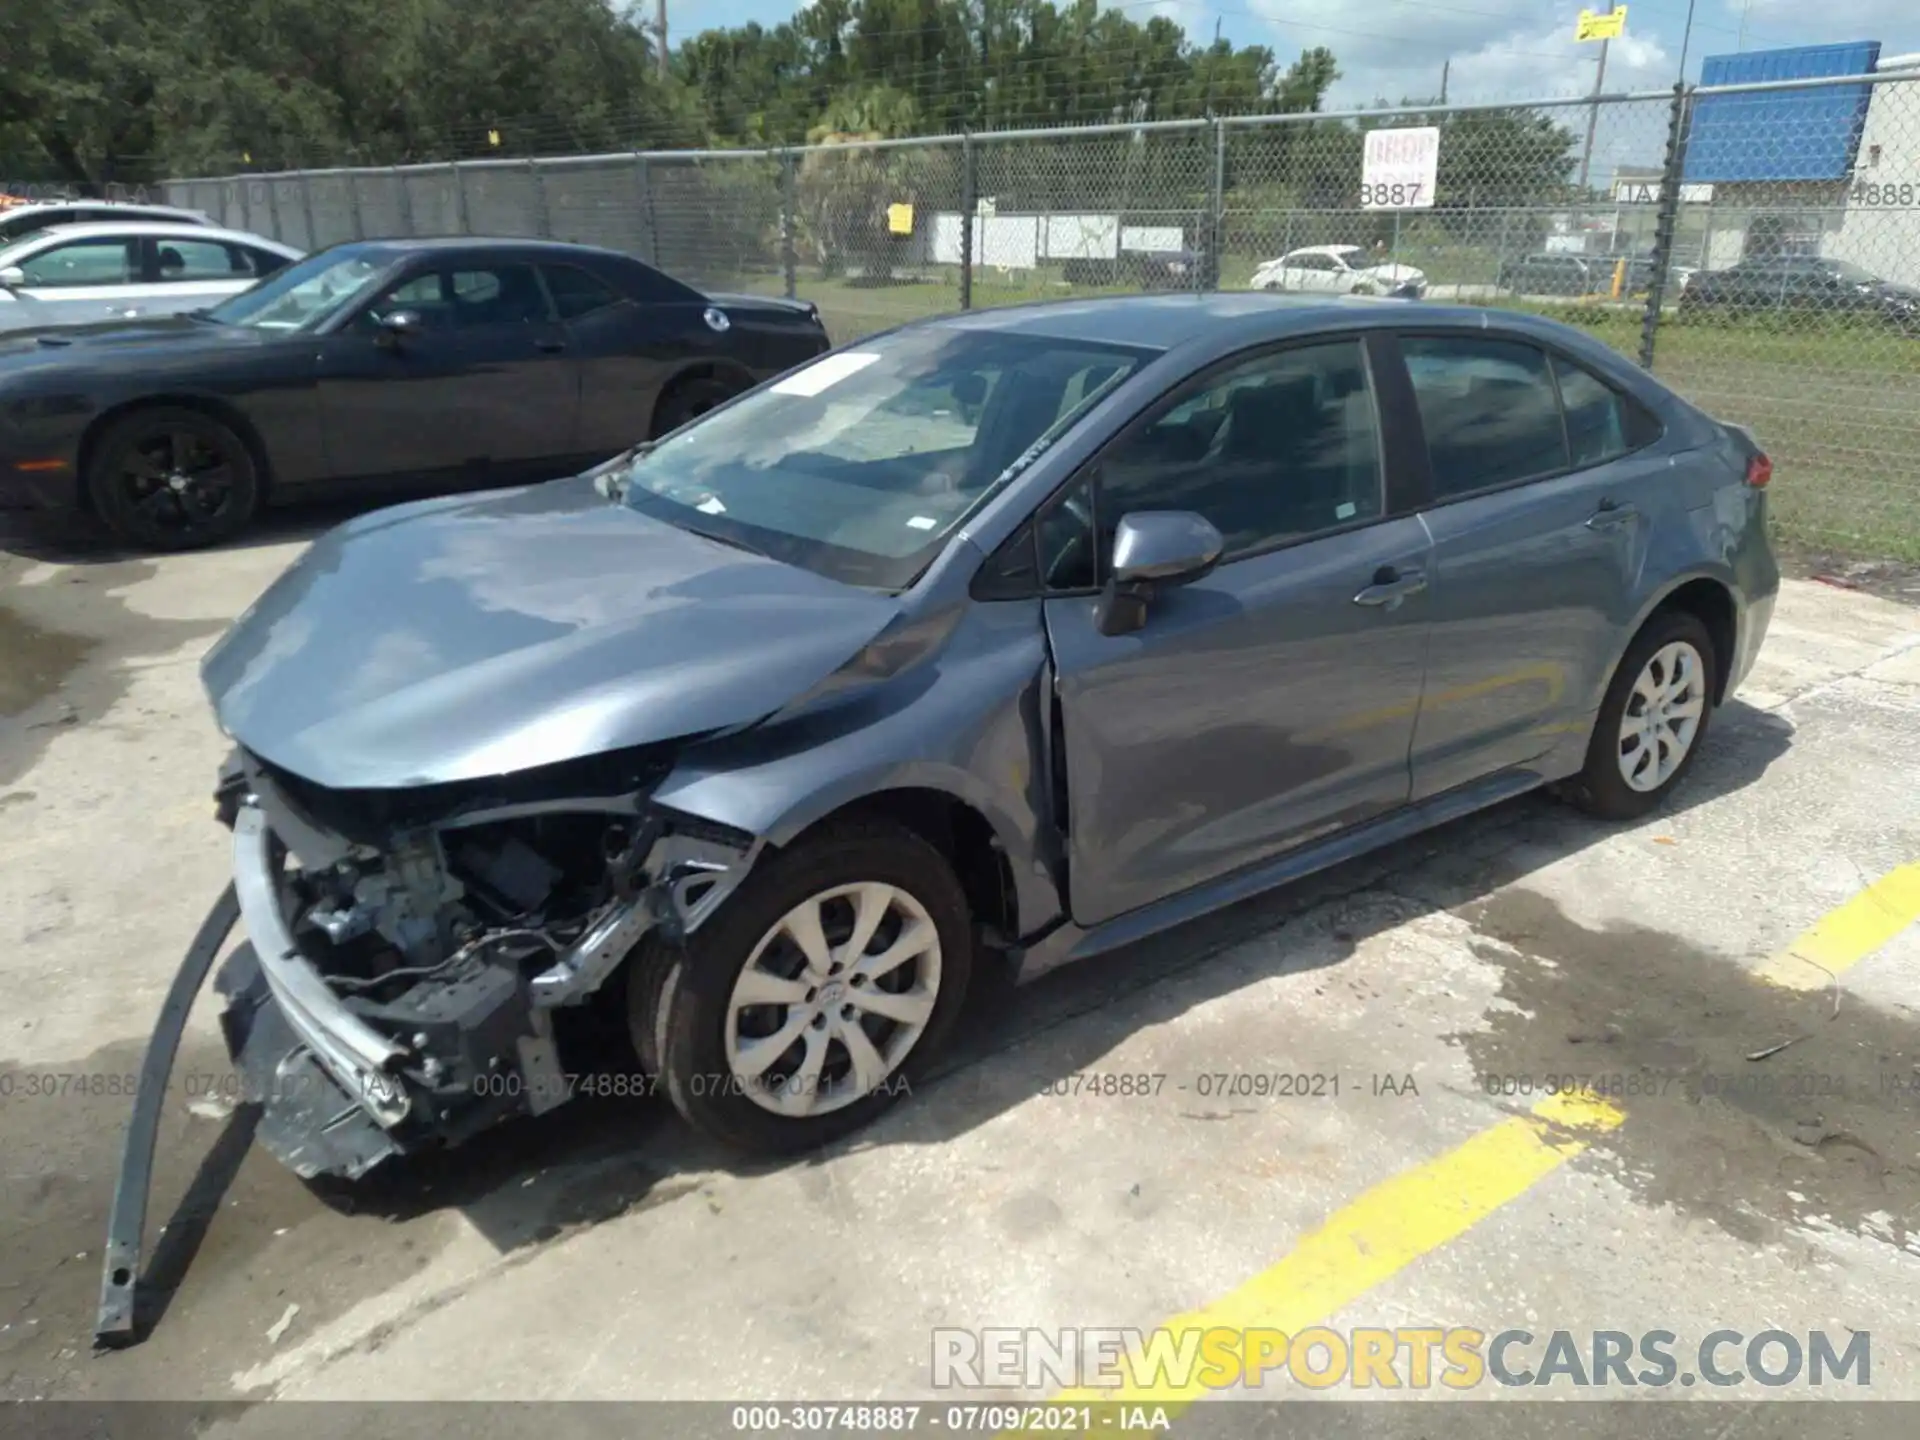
x: 1154, y: 549
x: 13, y: 277
x: 398, y: 325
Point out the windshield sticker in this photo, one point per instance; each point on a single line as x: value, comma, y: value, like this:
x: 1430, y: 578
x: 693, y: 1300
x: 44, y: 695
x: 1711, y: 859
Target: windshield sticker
x: 922, y: 522
x: 824, y: 373
x: 711, y: 506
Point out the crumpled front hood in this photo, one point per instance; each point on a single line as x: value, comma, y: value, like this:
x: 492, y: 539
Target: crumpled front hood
x: 460, y: 638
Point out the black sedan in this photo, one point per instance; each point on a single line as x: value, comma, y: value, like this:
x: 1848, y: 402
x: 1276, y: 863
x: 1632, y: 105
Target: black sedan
x: 423, y: 364
x: 1806, y: 284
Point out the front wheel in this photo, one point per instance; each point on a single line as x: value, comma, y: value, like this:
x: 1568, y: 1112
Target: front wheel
x: 170, y: 478
x: 1653, y: 721
x: 811, y: 1001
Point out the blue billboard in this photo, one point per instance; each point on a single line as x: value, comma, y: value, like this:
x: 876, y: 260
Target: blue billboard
x: 1779, y: 135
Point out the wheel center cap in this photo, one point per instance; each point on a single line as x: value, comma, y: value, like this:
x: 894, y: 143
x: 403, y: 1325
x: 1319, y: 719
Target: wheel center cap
x: 830, y: 993
x: 177, y: 483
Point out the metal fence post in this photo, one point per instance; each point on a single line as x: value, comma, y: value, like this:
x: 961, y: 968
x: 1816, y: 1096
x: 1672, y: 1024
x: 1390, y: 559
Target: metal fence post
x: 543, y: 219
x: 406, y: 200
x: 245, y: 186
x: 353, y: 203
x: 1209, y: 277
x: 1665, y: 219
x: 968, y: 204
x: 306, y: 209
x: 787, y: 222
x: 273, y: 209
x: 643, y: 196
x: 463, y: 217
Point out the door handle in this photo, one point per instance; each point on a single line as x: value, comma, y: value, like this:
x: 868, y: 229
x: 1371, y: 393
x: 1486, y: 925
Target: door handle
x: 1390, y: 586
x: 550, y: 347
x: 1611, y: 516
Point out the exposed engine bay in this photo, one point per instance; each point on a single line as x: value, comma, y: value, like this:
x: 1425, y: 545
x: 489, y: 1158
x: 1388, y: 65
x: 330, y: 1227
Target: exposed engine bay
x: 412, y: 955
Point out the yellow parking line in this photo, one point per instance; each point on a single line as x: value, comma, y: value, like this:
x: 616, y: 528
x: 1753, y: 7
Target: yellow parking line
x: 1381, y: 1233
x: 1849, y: 933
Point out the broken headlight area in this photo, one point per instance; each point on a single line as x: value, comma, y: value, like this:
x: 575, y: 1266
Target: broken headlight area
x: 414, y: 957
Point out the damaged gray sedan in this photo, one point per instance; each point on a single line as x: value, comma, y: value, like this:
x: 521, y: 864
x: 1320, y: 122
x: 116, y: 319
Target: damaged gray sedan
x: 1005, y: 638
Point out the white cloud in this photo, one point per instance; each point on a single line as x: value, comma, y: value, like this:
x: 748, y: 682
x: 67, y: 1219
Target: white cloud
x: 1840, y: 19
x: 1500, y: 49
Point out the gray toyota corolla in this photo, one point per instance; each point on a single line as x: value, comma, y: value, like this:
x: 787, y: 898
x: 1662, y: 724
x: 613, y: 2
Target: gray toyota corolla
x: 1008, y: 637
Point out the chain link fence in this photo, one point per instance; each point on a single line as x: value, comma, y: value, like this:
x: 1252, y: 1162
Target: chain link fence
x: 1753, y: 244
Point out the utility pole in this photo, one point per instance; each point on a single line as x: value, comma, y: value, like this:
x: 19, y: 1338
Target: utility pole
x: 1446, y: 67
x: 1593, y: 110
x: 660, y: 33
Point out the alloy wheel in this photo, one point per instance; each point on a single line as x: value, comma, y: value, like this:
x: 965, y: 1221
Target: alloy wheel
x: 832, y: 999
x: 181, y: 480
x: 1662, y: 716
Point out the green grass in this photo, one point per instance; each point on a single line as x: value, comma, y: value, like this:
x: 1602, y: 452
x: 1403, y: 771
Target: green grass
x: 1836, y: 403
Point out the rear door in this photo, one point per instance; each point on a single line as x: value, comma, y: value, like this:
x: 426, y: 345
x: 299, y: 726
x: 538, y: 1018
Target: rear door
x: 191, y: 274
x: 1273, y: 701
x: 1542, y: 497
x: 486, y: 392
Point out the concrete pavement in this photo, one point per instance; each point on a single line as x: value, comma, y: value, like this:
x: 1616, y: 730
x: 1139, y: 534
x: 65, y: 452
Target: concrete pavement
x: 1300, y: 1067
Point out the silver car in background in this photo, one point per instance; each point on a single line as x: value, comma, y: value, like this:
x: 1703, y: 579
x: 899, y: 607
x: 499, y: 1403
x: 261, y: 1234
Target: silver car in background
x: 126, y: 270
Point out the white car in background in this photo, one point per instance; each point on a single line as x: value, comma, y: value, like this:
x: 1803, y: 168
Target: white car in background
x: 17, y: 221
x: 128, y: 270
x: 1338, y: 270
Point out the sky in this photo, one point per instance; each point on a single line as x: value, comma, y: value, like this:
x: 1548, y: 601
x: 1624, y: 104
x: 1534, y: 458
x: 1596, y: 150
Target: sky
x: 1499, y: 49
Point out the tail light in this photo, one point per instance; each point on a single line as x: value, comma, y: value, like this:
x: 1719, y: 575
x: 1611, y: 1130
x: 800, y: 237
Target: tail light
x: 1759, y: 471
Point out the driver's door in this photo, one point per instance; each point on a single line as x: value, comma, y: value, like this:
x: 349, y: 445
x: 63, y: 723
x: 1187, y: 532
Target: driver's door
x: 485, y: 391
x: 1272, y: 702
x: 76, y: 282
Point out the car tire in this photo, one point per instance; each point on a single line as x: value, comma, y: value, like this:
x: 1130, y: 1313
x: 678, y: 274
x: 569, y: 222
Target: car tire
x: 171, y: 478
x: 687, y: 400
x: 696, y: 1018
x: 1642, y: 746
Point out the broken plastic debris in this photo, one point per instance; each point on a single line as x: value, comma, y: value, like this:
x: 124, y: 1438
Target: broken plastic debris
x: 279, y: 1327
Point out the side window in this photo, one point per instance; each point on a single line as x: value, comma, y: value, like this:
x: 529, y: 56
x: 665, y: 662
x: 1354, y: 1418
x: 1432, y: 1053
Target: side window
x: 467, y: 298
x: 1489, y: 410
x: 496, y: 295
x: 576, y: 293
x: 83, y: 262
x: 183, y: 260
x: 1596, y: 421
x: 264, y: 262
x: 1273, y: 449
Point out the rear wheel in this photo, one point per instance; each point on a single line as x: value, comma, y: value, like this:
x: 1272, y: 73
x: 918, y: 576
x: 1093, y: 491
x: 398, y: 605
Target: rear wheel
x: 169, y: 478
x: 687, y: 400
x: 810, y: 1002
x: 1653, y: 721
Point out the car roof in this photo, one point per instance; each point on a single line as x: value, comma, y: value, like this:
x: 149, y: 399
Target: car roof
x: 1326, y: 249
x: 152, y: 229
x: 399, y: 245
x: 1165, y: 322
x: 131, y: 206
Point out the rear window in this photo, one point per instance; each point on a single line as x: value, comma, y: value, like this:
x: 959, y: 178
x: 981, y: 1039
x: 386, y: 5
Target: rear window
x: 1489, y: 409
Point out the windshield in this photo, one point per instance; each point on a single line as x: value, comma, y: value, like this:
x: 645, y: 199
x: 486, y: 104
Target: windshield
x: 861, y: 464
x: 1853, y: 274
x: 303, y: 295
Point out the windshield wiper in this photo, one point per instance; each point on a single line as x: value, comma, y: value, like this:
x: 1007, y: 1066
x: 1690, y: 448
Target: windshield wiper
x: 728, y: 540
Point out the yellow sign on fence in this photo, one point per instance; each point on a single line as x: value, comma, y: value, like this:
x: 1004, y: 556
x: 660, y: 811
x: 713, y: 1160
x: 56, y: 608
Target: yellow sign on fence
x: 900, y: 219
x: 1609, y: 26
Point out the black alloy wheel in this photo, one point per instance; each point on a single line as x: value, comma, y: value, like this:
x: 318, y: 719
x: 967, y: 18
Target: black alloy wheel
x: 173, y: 479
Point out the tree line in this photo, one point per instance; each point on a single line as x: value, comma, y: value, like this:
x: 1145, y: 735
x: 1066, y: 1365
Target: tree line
x: 98, y: 92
